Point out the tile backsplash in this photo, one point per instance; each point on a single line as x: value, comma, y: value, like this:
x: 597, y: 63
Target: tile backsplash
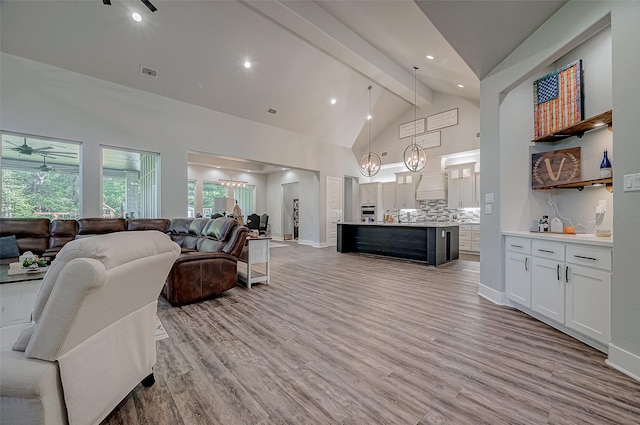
x: 437, y: 211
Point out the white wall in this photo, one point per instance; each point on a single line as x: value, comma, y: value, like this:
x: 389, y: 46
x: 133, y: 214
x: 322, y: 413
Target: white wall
x: 454, y: 139
x: 461, y: 137
x: 522, y: 207
x: 290, y: 192
x: 309, y: 189
x: 502, y: 152
x: 43, y: 100
x: 624, y: 350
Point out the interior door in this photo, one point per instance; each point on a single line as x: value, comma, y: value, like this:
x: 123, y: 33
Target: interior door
x: 334, y: 209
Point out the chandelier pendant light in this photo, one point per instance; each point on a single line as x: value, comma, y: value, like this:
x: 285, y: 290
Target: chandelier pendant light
x: 370, y: 162
x: 415, y: 157
x: 231, y: 182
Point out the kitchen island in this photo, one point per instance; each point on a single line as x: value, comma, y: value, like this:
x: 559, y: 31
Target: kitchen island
x: 433, y: 243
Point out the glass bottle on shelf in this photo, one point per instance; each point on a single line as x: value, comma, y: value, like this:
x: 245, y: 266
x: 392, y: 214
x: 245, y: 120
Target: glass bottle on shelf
x: 605, y: 166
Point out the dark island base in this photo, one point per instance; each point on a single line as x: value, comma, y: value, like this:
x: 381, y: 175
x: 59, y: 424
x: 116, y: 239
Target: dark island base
x: 434, y: 245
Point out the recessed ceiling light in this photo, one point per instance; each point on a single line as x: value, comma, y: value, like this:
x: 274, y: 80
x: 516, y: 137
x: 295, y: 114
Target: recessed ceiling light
x: 369, y: 117
x: 461, y: 86
x: 247, y: 64
x: 136, y: 17
x: 430, y: 57
x: 333, y: 101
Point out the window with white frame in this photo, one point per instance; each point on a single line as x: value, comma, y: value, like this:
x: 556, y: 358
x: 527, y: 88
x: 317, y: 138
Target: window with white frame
x: 191, y: 198
x: 130, y: 183
x: 40, y: 177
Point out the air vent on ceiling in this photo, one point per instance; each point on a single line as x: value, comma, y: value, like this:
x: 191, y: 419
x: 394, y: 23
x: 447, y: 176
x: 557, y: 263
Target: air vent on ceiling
x: 383, y: 154
x: 272, y: 111
x: 148, y: 72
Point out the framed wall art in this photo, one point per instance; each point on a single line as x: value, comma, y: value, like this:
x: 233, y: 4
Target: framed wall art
x: 428, y: 140
x: 558, y: 99
x: 412, y: 128
x: 443, y: 119
x: 555, y: 167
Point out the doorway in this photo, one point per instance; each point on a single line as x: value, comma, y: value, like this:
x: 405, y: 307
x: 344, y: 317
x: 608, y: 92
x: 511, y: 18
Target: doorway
x: 290, y: 211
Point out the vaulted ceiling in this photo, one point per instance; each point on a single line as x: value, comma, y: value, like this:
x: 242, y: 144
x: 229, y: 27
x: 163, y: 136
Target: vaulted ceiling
x: 303, y: 53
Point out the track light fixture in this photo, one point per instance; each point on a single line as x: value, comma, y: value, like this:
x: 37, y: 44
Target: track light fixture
x: 145, y: 2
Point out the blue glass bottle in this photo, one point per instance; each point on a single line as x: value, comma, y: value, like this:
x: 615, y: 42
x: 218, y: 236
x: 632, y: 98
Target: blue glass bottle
x: 605, y: 166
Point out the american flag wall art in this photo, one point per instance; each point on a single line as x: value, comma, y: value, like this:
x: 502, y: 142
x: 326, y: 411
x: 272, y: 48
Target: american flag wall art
x: 557, y: 99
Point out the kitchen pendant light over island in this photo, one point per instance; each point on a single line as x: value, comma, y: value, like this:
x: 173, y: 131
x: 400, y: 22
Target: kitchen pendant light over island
x: 370, y: 162
x: 415, y: 157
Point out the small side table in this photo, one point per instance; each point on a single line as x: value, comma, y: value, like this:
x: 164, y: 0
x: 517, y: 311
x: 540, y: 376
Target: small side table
x: 255, y: 252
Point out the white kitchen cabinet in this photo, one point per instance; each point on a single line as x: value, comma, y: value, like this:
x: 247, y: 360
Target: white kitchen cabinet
x: 570, y: 284
x: 370, y: 194
x: 475, y: 237
x: 518, y: 270
x: 588, y: 291
x: 547, y: 288
x: 461, y: 185
x: 469, y: 237
x: 406, y: 184
x: 388, y: 196
x: 547, y: 280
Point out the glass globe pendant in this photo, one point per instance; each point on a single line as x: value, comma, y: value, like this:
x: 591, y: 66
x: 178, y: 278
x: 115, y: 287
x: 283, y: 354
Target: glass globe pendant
x: 370, y: 162
x: 415, y: 157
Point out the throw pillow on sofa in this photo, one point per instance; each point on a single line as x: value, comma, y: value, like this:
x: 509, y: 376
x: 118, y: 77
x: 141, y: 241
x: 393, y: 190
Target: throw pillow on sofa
x: 9, y: 247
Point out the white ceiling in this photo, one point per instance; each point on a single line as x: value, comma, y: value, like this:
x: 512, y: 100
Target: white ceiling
x: 304, y: 52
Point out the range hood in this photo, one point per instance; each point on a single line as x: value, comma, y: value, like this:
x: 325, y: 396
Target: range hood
x: 432, y: 186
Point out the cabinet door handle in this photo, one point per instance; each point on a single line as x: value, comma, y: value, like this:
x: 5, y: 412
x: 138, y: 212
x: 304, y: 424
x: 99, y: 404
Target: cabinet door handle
x: 517, y: 246
x: 526, y: 264
x: 586, y: 258
x: 566, y: 274
x: 546, y: 250
x: 558, y: 270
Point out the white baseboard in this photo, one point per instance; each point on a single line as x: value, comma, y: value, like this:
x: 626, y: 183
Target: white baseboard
x: 624, y: 361
x: 492, y: 295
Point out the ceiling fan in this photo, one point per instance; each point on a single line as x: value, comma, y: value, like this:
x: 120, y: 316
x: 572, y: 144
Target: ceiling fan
x: 146, y: 3
x: 25, y: 149
x: 44, y: 167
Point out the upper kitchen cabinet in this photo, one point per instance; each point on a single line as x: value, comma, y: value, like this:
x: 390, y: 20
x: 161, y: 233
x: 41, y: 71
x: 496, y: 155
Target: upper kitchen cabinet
x: 462, y: 185
x: 370, y: 194
x: 388, y: 196
x: 406, y: 184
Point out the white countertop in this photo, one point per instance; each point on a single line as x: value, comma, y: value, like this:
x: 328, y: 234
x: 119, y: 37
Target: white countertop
x: 419, y: 224
x: 582, y: 238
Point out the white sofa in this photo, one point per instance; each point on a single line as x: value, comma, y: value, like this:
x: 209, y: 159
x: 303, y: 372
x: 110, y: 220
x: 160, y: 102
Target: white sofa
x: 91, y: 339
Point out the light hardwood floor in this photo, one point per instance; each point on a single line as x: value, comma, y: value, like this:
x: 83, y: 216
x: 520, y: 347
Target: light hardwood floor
x: 356, y: 339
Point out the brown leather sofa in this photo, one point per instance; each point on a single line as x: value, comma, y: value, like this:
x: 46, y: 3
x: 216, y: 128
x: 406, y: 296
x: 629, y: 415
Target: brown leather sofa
x: 45, y: 238
x: 207, y: 265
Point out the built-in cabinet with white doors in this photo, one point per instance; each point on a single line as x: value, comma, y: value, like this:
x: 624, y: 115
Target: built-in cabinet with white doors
x: 563, y: 280
x: 469, y: 237
x: 406, y: 185
x: 370, y: 193
x: 388, y: 196
x: 461, y: 185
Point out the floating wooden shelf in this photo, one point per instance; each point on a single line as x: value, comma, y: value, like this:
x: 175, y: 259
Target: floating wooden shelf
x: 578, y: 129
x: 608, y: 183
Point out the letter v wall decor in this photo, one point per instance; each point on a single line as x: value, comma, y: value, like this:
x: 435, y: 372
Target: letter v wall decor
x: 555, y: 167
